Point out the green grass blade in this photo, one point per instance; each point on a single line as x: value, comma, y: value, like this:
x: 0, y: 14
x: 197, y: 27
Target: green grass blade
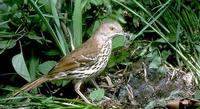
x: 33, y: 65
x: 197, y: 71
x: 37, y: 9
x: 63, y: 43
x: 77, y: 23
x: 5, y: 22
x: 151, y: 16
x: 164, y: 7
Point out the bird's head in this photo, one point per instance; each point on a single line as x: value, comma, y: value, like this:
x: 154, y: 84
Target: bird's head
x: 110, y: 29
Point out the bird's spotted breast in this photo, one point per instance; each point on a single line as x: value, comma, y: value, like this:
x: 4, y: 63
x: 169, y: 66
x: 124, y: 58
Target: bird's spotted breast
x: 102, y: 59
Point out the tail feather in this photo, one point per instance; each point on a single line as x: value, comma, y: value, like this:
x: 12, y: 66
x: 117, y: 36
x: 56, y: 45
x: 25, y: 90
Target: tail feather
x: 32, y: 85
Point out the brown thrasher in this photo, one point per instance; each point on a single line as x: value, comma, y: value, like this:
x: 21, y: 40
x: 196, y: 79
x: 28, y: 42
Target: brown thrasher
x: 85, y: 62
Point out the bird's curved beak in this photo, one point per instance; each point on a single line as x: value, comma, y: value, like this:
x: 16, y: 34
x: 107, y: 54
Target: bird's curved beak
x: 125, y: 34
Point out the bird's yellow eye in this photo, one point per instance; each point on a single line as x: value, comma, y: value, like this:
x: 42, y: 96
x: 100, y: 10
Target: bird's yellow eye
x: 112, y: 28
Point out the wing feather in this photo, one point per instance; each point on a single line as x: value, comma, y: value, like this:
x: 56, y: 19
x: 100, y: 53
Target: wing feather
x: 79, y: 57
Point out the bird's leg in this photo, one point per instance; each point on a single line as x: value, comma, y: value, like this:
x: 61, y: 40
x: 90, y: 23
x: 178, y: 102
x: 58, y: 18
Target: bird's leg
x: 77, y: 89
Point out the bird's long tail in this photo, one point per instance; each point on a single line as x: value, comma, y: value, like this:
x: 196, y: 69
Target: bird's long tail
x: 32, y: 85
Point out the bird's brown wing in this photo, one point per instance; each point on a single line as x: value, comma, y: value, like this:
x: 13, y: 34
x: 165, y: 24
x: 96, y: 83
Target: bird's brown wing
x: 77, y: 58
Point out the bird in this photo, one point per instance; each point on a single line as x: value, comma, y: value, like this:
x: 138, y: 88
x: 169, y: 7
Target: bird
x: 85, y: 62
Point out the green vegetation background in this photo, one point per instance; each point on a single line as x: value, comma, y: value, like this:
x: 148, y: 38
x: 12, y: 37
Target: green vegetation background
x: 34, y: 34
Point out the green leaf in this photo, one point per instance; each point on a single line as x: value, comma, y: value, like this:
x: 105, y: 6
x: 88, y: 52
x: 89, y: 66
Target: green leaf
x: 97, y: 95
x: 170, y: 38
x: 4, y: 24
x: 46, y: 4
x: 77, y: 23
x: 111, y: 62
x: 43, y: 27
x: 52, y: 52
x: 14, y: 7
x: 33, y: 65
x: 97, y: 2
x: 197, y: 94
x: 122, y: 56
x: 47, y: 66
x: 33, y: 36
x: 143, y: 52
x: 118, y: 42
x: 18, y: 15
x: 93, y: 28
x: 155, y: 63
x: 60, y: 82
x: 7, y: 44
x: 20, y: 67
x: 162, y: 70
x: 197, y: 48
x: 165, y: 54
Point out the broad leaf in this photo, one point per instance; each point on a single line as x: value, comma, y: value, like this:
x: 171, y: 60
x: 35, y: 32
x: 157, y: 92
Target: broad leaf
x: 7, y: 44
x: 33, y: 66
x: 46, y: 66
x: 197, y: 94
x: 118, y: 42
x: 97, y: 95
x: 20, y: 67
x: 156, y: 62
